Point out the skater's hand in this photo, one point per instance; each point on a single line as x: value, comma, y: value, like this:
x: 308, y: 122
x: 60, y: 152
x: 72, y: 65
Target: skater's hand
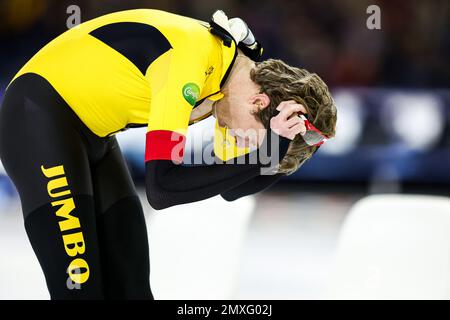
x: 287, y: 123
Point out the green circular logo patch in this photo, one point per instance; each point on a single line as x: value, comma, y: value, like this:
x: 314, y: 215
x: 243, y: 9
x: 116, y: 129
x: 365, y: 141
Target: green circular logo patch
x: 191, y: 91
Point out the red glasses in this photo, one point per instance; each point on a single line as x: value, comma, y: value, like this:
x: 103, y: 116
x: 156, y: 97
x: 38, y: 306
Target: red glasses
x: 313, y: 136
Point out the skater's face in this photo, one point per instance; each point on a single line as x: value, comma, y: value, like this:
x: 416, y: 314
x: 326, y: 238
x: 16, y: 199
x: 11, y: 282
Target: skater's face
x: 238, y: 109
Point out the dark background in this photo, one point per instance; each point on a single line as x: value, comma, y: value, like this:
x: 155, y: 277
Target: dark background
x: 328, y: 37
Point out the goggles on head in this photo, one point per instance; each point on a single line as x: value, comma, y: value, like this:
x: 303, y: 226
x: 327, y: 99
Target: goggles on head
x: 313, y: 136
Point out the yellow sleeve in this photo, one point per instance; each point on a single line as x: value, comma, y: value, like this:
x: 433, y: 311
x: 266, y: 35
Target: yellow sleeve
x: 176, y: 81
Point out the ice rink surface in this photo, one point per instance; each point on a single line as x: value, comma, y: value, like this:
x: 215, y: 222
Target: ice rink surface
x: 276, y: 245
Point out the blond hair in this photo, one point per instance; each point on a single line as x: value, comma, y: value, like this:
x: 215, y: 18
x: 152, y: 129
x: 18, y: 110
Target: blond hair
x: 282, y: 82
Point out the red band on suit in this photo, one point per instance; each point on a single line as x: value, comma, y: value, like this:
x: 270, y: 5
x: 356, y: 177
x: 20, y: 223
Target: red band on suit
x: 164, y: 145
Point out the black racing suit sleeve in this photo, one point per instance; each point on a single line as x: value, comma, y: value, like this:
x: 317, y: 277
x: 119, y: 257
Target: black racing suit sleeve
x: 169, y: 184
x: 252, y: 186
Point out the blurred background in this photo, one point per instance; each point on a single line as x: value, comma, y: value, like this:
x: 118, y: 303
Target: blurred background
x: 391, y: 87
